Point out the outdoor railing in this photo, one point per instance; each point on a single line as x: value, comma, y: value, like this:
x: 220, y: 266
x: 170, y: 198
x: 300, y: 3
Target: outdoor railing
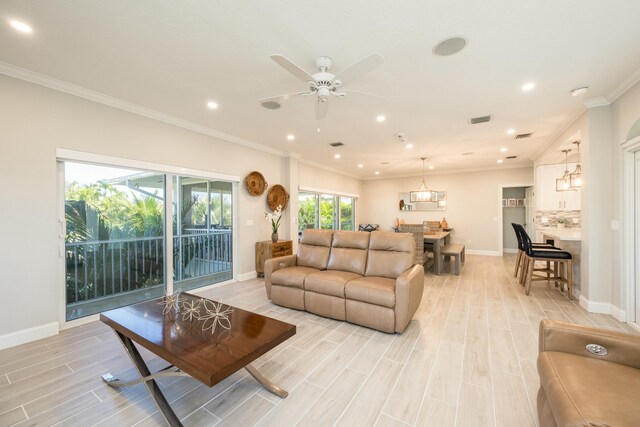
x: 104, y: 268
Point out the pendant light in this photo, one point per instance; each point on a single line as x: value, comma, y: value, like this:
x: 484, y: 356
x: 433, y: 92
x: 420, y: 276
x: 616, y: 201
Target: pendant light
x: 575, y: 177
x: 564, y: 183
x: 423, y: 194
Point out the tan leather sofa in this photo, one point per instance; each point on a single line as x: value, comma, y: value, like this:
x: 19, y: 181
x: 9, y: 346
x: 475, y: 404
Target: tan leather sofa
x: 363, y: 278
x: 579, y: 388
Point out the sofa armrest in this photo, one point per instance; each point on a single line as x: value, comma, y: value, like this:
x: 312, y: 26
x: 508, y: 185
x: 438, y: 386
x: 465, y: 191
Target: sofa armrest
x: 563, y: 337
x: 409, y: 288
x: 275, y: 264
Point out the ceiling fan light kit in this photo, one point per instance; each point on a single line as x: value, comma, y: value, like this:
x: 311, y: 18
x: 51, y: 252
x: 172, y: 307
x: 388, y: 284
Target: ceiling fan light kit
x: 323, y: 84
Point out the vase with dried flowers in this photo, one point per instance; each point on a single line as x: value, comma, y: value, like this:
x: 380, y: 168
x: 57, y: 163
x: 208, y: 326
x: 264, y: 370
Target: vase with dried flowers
x: 274, y: 219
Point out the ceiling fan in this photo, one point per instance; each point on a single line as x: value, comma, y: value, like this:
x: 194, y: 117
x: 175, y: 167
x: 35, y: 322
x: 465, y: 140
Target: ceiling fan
x: 323, y: 84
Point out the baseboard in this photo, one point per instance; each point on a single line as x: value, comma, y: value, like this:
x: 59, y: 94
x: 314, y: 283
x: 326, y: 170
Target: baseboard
x: 481, y: 252
x: 27, y: 335
x: 620, y: 315
x: 602, y: 308
x: 247, y: 276
x: 510, y: 251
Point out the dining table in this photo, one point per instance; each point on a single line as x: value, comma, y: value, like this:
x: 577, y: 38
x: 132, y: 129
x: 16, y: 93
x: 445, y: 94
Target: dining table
x: 437, y: 239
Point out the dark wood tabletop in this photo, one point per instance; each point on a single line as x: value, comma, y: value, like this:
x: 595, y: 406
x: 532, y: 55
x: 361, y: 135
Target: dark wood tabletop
x: 182, y: 341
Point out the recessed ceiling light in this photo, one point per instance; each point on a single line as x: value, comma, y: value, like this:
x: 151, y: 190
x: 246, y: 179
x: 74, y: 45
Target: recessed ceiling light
x: 291, y: 137
x: 377, y: 172
x: 21, y: 26
x: 503, y: 149
x: 528, y: 86
x: 579, y: 91
x: 212, y: 105
x: 500, y: 160
x: 449, y: 46
x: 511, y: 131
x: 380, y: 118
x: 409, y: 146
x: 431, y: 167
x: 360, y: 165
x: 336, y: 156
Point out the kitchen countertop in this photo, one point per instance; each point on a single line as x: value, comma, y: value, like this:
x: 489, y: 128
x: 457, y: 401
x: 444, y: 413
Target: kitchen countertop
x: 567, y: 234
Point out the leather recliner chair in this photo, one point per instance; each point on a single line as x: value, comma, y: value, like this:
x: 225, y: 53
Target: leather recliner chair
x: 588, y: 376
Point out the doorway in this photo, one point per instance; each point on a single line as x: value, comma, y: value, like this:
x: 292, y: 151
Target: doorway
x: 517, y: 207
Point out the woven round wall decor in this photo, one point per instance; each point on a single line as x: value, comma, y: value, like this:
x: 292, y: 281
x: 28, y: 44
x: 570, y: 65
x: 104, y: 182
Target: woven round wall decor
x: 255, y: 183
x: 277, y: 195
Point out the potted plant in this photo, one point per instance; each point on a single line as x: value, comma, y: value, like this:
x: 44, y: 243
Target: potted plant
x: 274, y: 218
x: 562, y: 222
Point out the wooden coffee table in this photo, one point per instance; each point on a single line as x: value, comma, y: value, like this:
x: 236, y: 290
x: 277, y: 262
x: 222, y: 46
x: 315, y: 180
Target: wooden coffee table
x: 198, y: 337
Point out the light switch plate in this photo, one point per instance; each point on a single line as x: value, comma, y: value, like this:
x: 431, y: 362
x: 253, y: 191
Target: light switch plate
x: 615, y: 225
x: 249, y: 223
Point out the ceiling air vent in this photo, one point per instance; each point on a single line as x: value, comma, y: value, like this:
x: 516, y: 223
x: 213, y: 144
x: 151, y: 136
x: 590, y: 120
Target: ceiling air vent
x: 336, y: 144
x: 524, y: 135
x: 511, y: 157
x: 483, y: 119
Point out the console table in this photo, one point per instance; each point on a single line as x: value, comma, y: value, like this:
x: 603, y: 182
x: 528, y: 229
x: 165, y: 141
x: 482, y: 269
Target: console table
x: 268, y: 249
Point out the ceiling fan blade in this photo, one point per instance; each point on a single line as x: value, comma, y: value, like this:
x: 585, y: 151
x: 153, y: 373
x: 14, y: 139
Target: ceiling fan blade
x: 292, y: 68
x: 347, y: 92
x: 284, y: 97
x: 321, y: 109
x: 360, y: 68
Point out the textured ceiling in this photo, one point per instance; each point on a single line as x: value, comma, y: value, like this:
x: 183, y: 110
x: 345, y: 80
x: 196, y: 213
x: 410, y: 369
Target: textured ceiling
x: 173, y: 56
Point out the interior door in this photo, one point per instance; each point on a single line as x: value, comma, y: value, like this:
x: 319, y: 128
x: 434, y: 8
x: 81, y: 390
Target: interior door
x: 530, y: 211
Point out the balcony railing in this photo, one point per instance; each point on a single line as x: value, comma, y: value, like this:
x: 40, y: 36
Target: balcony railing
x: 107, y: 272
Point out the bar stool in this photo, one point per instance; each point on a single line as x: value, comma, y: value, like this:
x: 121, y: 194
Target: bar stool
x: 521, y: 257
x: 556, y: 256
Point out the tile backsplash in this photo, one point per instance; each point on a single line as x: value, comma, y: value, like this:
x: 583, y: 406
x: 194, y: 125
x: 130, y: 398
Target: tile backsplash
x: 550, y: 218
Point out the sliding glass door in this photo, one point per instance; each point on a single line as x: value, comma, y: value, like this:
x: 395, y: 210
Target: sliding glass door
x: 116, y: 237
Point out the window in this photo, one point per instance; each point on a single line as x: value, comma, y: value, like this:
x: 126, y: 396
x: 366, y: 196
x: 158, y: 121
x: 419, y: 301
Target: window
x: 116, y: 244
x: 326, y: 211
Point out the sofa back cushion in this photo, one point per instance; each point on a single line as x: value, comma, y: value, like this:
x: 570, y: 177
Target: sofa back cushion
x: 390, y: 254
x: 349, y: 251
x: 314, y: 247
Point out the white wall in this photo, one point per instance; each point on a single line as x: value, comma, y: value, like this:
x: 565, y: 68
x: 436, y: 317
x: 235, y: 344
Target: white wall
x: 35, y: 122
x: 315, y: 177
x: 473, y: 203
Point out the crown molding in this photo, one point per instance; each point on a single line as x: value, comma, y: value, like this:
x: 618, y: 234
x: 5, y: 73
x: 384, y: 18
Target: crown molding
x: 91, y: 95
x: 600, y: 101
x: 328, y: 168
x: 568, y: 121
x: 625, y: 86
x: 449, y: 172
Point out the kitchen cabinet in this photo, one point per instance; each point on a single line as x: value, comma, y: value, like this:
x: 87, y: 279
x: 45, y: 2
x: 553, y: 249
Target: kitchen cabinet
x: 547, y: 198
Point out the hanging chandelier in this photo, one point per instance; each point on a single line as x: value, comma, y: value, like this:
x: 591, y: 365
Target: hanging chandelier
x: 423, y: 194
x: 575, y: 177
x: 564, y: 183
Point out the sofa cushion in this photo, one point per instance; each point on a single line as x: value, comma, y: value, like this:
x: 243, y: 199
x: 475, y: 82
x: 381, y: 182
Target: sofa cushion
x: 390, y: 254
x: 587, y: 391
x: 373, y: 290
x: 291, y: 276
x: 329, y: 282
x: 313, y: 250
x: 349, y: 251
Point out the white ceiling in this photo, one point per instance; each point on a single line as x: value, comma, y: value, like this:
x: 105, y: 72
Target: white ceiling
x: 172, y: 56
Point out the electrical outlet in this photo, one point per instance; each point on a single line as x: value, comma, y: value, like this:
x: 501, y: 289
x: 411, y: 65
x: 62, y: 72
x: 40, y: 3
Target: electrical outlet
x: 249, y: 223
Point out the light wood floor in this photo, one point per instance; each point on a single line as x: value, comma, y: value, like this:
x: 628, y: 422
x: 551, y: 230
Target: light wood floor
x: 467, y: 358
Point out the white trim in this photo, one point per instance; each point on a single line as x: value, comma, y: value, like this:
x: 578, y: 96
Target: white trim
x: 27, y: 335
x: 247, y: 276
x: 64, y: 324
x: 448, y: 172
x: 211, y: 286
x: 625, y: 86
x: 82, y: 156
x: 62, y: 86
x: 481, y: 252
x: 619, y: 314
x: 509, y: 251
x: 600, y: 101
x: 319, y: 166
x: 627, y: 225
x: 304, y: 188
x: 594, y: 307
x: 501, y: 188
x: 574, y: 115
